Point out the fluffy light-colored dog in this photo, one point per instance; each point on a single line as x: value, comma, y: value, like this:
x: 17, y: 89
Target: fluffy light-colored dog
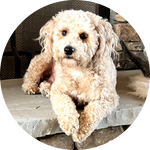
x: 75, y: 66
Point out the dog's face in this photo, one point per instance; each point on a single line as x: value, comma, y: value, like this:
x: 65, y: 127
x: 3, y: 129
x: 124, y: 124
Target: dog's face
x: 74, y: 37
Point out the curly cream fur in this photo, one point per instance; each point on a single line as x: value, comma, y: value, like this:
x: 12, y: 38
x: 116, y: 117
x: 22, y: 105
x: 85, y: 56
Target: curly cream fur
x: 140, y: 85
x: 89, y: 76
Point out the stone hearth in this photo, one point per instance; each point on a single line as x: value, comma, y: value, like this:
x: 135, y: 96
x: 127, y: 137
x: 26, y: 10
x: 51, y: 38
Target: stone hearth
x: 35, y: 115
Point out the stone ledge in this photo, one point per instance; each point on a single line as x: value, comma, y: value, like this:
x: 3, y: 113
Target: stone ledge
x: 35, y: 115
x: 59, y: 141
x: 97, y: 138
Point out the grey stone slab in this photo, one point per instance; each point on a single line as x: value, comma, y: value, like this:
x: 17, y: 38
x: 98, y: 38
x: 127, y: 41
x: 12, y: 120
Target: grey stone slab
x: 101, y: 138
x: 35, y: 115
x: 97, y: 140
x: 57, y: 142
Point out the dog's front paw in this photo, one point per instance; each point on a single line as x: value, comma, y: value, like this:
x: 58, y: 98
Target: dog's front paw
x: 30, y: 88
x: 82, y: 132
x: 45, y: 88
x: 80, y: 136
x: 45, y: 93
x: 70, y: 126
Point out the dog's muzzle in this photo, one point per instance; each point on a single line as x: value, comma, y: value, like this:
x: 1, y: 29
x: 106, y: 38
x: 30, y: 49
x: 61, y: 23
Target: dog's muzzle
x: 68, y: 50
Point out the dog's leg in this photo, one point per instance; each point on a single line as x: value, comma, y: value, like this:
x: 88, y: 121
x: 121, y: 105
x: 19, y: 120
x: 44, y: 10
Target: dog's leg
x: 65, y: 110
x: 34, y: 73
x: 45, y: 88
x: 93, y: 113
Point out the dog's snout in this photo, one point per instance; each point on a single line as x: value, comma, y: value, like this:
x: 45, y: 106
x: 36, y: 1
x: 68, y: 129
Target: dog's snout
x: 68, y: 50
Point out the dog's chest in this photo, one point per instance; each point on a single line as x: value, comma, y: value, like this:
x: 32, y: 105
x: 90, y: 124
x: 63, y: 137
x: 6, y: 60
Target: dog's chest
x: 76, y: 75
x: 72, y: 79
x: 79, y: 83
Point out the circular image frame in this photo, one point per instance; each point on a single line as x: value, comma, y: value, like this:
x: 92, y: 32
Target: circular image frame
x: 26, y: 20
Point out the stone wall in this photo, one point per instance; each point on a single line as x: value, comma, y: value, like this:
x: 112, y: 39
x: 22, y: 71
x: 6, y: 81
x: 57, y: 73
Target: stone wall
x: 132, y: 40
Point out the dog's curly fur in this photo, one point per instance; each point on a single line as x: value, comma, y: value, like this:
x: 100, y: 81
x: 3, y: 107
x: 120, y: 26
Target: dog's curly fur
x: 139, y: 85
x: 87, y: 76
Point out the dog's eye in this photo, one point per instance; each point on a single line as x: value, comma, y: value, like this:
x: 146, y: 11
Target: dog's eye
x: 83, y: 36
x: 64, y: 32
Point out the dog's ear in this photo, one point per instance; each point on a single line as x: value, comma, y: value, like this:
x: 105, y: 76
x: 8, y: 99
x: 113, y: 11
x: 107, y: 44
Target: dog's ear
x: 45, y: 38
x: 107, y: 38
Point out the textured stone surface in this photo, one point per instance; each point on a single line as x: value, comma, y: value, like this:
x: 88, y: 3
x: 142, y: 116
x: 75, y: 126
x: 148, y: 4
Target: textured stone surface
x: 125, y: 63
x: 112, y: 16
x: 122, y: 58
x: 118, y: 47
x: 59, y: 140
x: 35, y: 115
x: 134, y: 46
x: 119, y: 18
x: 99, y: 137
x: 126, y: 32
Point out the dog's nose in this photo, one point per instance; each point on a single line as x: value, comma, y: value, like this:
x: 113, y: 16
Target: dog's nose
x: 69, y: 50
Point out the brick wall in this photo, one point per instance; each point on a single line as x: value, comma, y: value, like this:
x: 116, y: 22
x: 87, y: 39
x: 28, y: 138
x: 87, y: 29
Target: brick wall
x: 132, y: 40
